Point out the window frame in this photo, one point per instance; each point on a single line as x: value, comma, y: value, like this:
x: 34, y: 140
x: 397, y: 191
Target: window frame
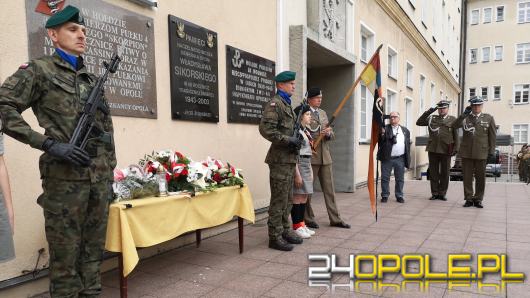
x: 526, y: 16
x: 471, y: 55
x: 484, y: 15
x: 522, y: 93
x: 409, y: 80
x: 497, y: 13
x: 409, y: 116
x: 474, y: 92
x: 502, y: 52
x: 391, y: 102
x: 483, y: 52
x: 471, y: 17
x: 493, y: 93
x: 515, y: 141
x: 482, y: 93
x: 368, y: 32
x: 395, y: 65
x: 524, y: 44
x: 367, y: 111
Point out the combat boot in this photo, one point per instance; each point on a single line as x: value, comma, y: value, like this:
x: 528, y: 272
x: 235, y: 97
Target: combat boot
x: 468, y: 203
x: 291, y: 237
x: 280, y: 244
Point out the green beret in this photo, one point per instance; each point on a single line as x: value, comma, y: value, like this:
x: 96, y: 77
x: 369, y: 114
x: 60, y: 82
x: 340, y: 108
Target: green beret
x: 68, y: 14
x: 285, y: 76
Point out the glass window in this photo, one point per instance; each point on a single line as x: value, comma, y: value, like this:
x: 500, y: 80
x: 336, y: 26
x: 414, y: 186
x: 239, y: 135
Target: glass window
x: 496, y: 92
x: 366, y: 113
x: 475, y: 14
x: 522, y: 92
x: 409, y: 73
x: 484, y: 93
x: 390, y: 103
x: 392, y: 63
x: 520, y: 133
x: 472, y: 92
x: 523, y: 53
x: 487, y: 15
x: 498, y: 53
x: 500, y: 13
x: 408, y: 113
x: 473, y: 56
x: 367, y: 43
x: 523, y: 12
x: 486, y: 54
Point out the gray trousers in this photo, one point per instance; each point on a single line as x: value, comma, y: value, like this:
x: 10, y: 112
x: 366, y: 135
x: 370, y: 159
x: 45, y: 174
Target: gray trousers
x: 398, y: 164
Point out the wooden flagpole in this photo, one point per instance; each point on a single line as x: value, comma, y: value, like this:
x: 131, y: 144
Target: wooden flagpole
x: 345, y: 99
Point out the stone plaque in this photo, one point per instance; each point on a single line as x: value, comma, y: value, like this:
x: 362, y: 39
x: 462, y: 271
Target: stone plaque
x: 131, y: 91
x: 193, y: 71
x: 249, y: 85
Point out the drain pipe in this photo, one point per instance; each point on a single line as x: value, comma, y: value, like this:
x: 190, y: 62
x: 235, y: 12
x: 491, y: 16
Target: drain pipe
x: 279, y: 35
x: 463, y: 54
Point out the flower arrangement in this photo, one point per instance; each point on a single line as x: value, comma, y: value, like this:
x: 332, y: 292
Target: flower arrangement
x: 182, y: 174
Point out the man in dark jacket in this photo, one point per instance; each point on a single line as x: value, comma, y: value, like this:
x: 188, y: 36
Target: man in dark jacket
x: 394, y: 153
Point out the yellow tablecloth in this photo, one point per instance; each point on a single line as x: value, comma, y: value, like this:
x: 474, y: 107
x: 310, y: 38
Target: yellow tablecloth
x: 154, y: 220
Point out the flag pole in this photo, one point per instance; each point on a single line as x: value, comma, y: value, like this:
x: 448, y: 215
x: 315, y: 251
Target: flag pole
x: 345, y: 98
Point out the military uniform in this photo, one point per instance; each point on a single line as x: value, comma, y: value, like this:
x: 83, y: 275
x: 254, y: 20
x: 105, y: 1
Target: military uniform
x: 478, y: 142
x: 521, y: 159
x: 443, y: 143
x: 277, y: 126
x: 75, y: 199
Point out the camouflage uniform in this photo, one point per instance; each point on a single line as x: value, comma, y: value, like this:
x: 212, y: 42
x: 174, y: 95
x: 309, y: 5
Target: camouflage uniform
x: 522, y: 163
x: 277, y: 124
x: 75, y: 199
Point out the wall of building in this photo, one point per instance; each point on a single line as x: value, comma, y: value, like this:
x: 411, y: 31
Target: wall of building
x: 504, y: 73
x: 371, y: 16
x: 248, y: 25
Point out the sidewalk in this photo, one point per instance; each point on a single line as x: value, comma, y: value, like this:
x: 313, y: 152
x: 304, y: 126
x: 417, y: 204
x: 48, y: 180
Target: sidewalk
x: 216, y: 269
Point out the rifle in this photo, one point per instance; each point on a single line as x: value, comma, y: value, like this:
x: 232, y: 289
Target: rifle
x: 297, y: 126
x: 86, y: 122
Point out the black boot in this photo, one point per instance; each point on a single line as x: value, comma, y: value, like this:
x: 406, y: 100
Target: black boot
x: 478, y: 204
x: 434, y: 197
x: 280, y: 244
x: 442, y: 198
x: 468, y: 204
x: 291, y: 237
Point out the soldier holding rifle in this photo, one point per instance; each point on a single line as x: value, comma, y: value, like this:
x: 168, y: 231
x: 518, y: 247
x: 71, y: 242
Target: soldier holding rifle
x: 76, y: 177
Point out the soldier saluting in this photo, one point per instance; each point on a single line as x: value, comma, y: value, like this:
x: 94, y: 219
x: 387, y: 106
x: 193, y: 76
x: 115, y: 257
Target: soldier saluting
x: 277, y: 126
x: 76, y: 182
x: 443, y: 143
x: 478, y: 143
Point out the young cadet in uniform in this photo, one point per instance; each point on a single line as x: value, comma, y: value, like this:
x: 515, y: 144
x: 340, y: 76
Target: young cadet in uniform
x: 478, y: 143
x: 443, y: 143
x: 277, y: 126
x: 76, y: 183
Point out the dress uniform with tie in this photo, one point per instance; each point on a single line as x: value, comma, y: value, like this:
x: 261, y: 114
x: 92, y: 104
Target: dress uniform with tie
x: 443, y: 143
x: 478, y: 142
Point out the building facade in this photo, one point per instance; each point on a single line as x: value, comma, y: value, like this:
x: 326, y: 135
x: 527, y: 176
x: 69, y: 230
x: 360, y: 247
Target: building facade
x: 498, y: 63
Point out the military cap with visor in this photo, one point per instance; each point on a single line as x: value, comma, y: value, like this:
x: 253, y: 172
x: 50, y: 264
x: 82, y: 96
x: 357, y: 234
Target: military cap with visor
x: 443, y: 104
x: 476, y: 100
x: 68, y: 14
x: 285, y: 76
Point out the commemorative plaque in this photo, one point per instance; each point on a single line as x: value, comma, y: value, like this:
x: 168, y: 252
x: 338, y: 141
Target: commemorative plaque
x: 193, y: 71
x: 131, y: 91
x: 249, y: 85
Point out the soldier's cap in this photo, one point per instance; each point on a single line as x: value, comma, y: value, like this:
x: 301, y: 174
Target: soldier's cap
x: 314, y: 91
x: 302, y: 107
x: 475, y: 100
x: 443, y: 104
x: 285, y: 76
x: 68, y: 14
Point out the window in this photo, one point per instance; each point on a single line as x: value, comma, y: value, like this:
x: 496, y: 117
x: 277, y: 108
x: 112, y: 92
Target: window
x: 487, y: 15
x: 433, y: 99
x: 472, y: 92
x: 496, y: 92
x: 390, y: 102
x: 500, y: 13
x: 475, y: 15
x: 484, y: 93
x: 409, y: 73
x: 520, y: 133
x: 486, y: 54
x: 367, y: 43
x: 392, y: 63
x: 498, y: 53
x: 473, y: 56
x: 522, y: 92
x: 523, y: 12
x: 423, y: 129
x: 408, y: 113
x: 366, y: 112
x: 523, y: 53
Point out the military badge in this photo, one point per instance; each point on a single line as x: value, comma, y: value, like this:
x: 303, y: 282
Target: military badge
x: 210, y: 41
x: 49, y: 7
x: 180, y: 30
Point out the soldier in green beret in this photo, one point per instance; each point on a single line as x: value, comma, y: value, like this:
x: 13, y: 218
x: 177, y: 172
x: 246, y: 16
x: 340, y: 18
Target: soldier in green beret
x: 443, y: 143
x: 478, y: 143
x: 277, y: 126
x: 76, y: 183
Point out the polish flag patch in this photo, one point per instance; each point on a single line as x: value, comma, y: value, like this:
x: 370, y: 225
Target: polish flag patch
x: 23, y: 66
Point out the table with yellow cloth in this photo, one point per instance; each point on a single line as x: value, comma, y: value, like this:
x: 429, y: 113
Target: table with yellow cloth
x: 149, y: 221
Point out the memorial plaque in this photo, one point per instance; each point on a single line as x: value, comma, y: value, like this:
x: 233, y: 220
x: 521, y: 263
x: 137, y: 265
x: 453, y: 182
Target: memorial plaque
x: 131, y: 91
x: 249, y: 85
x: 193, y: 71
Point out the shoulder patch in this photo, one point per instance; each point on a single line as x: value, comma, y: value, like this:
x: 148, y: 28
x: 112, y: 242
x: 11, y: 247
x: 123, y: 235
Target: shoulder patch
x: 23, y: 66
x: 273, y: 104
